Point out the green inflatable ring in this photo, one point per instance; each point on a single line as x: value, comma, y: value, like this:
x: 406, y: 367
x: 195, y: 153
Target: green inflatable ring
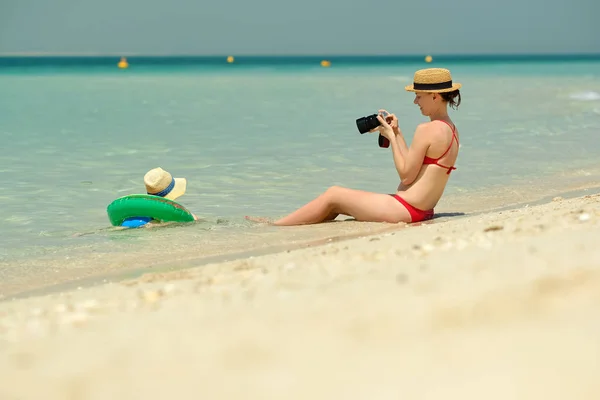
x: 146, y: 205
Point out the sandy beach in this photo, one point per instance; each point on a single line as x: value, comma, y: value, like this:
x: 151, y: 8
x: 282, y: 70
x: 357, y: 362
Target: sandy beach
x: 500, y: 305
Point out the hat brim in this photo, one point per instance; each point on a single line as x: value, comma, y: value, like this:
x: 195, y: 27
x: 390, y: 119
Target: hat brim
x: 455, y: 86
x: 178, y: 189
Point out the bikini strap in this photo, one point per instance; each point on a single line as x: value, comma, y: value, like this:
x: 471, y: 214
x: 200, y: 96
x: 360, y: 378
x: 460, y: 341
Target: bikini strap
x: 451, y: 143
x: 452, y: 127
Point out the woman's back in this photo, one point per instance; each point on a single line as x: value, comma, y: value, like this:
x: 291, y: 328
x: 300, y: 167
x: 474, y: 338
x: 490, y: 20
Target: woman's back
x: 438, y: 164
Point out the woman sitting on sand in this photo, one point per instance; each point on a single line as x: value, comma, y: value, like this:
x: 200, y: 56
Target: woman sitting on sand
x: 424, y: 167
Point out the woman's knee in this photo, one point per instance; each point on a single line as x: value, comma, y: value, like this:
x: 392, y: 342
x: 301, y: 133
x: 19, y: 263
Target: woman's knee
x: 334, y: 197
x: 333, y: 192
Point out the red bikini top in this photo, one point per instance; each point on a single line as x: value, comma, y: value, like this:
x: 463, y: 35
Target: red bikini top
x: 429, y: 160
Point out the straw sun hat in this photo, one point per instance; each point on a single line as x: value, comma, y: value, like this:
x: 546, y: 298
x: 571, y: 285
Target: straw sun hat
x: 433, y: 80
x: 160, y: 183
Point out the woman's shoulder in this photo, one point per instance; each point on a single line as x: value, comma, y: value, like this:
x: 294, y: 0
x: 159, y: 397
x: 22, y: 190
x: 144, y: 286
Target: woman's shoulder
x: 435, y: 127
x: 431, y: 127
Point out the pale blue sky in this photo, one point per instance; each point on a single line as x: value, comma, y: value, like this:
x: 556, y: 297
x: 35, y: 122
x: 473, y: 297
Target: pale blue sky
x: 299, y: 27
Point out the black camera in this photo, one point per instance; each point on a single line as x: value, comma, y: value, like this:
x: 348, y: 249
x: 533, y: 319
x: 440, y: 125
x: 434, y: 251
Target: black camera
x: 365, y: 124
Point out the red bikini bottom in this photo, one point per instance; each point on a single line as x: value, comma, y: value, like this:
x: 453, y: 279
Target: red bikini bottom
x: 416, y: 215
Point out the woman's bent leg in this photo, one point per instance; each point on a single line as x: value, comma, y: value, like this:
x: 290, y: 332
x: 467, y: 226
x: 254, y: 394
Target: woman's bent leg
x: 317, y: 210
x: 361, y: 205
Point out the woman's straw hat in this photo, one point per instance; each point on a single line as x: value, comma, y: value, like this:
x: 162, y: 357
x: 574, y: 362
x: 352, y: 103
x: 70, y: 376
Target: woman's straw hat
x: 160, y: 183
x: 433, y: 80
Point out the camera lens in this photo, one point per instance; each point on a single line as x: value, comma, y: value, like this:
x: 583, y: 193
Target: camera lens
x: 365, y: 124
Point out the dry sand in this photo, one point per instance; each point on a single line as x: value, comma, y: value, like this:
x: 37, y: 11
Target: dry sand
x: 503, y: 305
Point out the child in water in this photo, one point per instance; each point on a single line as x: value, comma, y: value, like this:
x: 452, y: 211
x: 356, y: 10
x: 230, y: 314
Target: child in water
x: 161, y: 183
x: 158, y: 182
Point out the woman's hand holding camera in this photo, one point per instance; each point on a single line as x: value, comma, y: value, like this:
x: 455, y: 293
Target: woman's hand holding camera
x: 391, y: 119
x: 388, y: 125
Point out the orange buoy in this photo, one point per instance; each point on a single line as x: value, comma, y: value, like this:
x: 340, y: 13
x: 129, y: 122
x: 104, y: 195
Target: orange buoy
x: 123, y: 63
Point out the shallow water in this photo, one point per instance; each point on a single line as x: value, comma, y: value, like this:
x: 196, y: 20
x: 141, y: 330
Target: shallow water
x: 260, y: 141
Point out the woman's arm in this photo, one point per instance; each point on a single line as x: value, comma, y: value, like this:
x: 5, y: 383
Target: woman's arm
x: 408, y: 160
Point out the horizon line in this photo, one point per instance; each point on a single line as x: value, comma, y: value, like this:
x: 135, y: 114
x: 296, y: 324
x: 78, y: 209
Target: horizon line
x: 297, y: 55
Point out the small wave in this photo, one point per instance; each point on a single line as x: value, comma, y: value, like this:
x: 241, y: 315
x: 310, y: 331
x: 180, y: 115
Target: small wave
x: 585, y: 96
x: 400, y: 78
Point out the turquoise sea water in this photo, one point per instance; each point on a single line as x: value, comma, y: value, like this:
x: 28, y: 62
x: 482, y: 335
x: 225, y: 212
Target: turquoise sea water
x: 258, y: 138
